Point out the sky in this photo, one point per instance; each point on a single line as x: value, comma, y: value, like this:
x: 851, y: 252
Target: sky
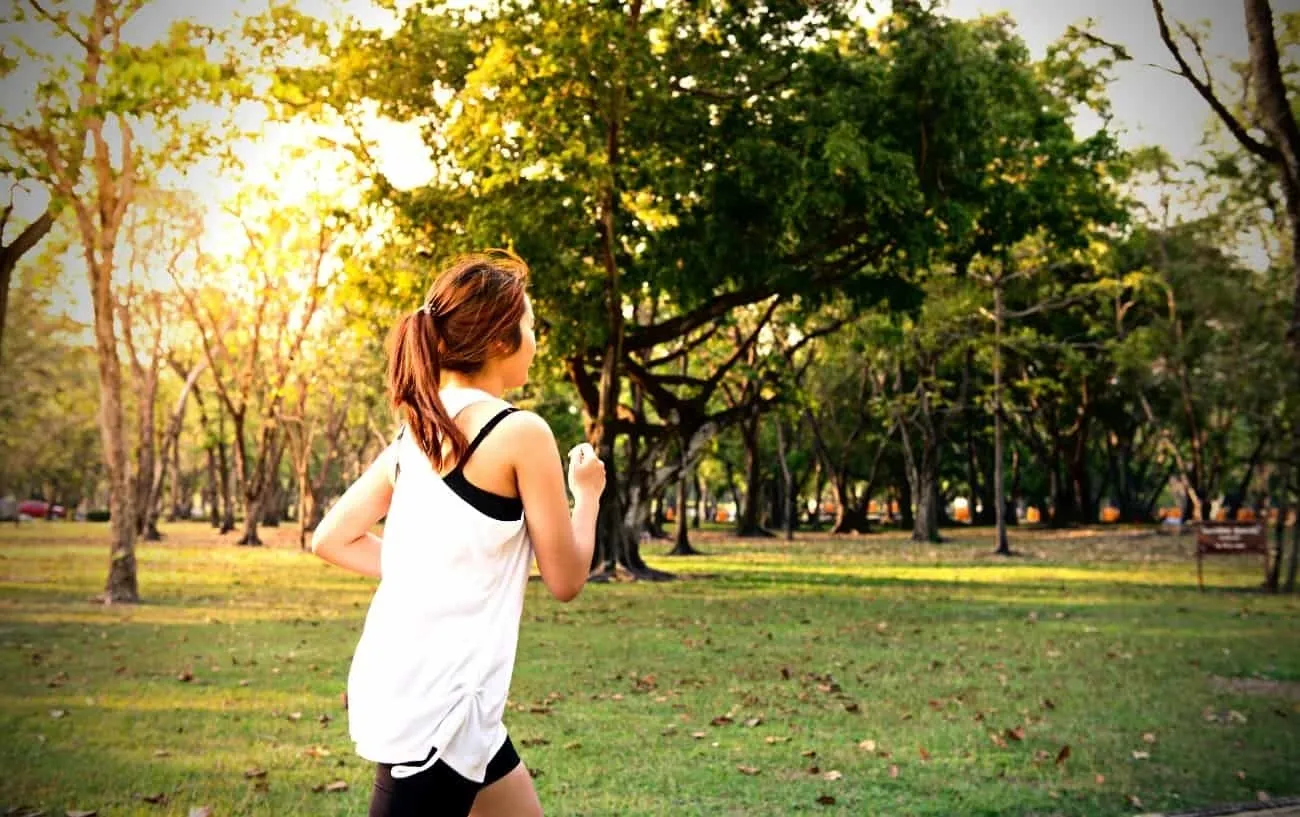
x: 1150, y: 105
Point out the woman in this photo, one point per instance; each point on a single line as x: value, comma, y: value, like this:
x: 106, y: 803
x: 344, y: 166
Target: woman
x: 472, y: 490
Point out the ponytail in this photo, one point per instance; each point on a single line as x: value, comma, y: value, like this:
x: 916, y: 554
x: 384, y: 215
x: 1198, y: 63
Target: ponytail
x: 414, y: 375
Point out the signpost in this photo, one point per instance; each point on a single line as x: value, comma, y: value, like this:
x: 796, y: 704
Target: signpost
x: 1230, y: 538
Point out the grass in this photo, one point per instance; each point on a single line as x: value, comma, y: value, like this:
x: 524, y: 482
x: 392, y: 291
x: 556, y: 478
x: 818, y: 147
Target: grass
x: 921, y: 680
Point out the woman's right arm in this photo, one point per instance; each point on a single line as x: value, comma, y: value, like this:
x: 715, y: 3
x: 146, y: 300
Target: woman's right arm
x: 562, y: 540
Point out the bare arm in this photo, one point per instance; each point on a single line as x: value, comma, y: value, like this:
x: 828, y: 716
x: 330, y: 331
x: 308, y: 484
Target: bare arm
x: 343, y: 537
x: 563, y: 541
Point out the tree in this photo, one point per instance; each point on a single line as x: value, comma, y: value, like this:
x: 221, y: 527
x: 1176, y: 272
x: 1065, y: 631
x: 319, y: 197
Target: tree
x: 330, y: 402
x: 80, y: 143
x: 49, y: 444
x: 1265, y: 128
x: 623, y: 169
x: 10, y: 253
x: 252, y: 340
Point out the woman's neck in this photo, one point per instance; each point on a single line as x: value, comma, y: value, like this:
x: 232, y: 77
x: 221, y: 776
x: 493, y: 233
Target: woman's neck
x: 483, y: 381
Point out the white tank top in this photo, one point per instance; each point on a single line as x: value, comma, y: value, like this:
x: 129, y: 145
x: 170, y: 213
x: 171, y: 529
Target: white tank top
x: 432, y: 669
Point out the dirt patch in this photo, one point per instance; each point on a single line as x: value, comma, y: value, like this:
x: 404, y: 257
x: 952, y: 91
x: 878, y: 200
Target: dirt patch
x: 1290, y: 690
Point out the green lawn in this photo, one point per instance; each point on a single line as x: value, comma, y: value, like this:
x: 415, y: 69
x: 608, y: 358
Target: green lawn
x: 851, y: 676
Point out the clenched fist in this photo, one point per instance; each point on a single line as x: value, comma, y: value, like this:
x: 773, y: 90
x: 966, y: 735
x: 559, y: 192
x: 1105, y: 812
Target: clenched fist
x: 586, y: 473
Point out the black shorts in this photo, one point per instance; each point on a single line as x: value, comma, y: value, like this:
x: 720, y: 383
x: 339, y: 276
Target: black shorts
x: 438, y: 791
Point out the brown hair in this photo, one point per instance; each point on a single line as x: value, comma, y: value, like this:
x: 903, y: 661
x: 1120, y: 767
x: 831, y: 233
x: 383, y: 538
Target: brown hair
x: 471, y: 314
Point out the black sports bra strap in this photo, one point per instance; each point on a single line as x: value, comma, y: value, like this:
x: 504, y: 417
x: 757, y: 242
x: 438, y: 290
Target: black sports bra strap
x: 487, y: 429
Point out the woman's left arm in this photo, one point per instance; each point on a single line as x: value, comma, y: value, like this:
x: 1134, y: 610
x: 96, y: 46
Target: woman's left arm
x: 343, y: 537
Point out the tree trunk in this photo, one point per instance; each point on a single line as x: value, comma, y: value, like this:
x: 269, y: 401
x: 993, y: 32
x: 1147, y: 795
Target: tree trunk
x: 1283, y: 506
x: 168, y: 455
x: 922, y: 468
x: 699, y: 501
x: 223, y: 462
x: 304, y: 499
x: 681, y: 541
x: 122, y: 584
x: 790, y: 494
x: 925, y: 525
x: 847, y: 517
x: 252, y: 514
x: 1294, y: 566
x: 981, y: 502
x: 146, y: 452
x: 1237, y: 499
x: 178, y: 504
x: 999, y: 484
x: 212, y: 494
x: 747, y: 522
x: 906, y: 518
x: 819, y: 488
x: 1278, y: 120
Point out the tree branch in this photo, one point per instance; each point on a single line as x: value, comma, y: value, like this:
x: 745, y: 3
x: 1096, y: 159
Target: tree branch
x: 60, y: 22
x: 1250, y: 143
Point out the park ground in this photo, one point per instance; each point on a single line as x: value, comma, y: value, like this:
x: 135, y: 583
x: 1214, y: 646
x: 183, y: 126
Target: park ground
x: 840, y: 676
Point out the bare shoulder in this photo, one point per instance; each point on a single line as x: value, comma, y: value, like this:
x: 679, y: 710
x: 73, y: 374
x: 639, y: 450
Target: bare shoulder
x: 524, y: 426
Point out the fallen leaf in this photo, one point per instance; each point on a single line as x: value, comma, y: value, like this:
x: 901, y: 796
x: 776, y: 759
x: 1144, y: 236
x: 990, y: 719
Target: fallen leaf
x: 317, y: 751
x: 295, y: 716
x: 893, y: 771
x: 777, y: 738
x: 1134, y: 801
x: 699, y: 735
x: 752, y: 722
x: 1241, y: 774
x: 1262, y: 796
x: 201, y: 811
x: 161, y: 753
x: 1063, y: 755
x: 336, y: 786
x: 867, y: 745
x: 255, y: 774
x: 159, y: 799
x: 923, y: 753
x: 58, y: 713
x: 1017, y: 733
x: 528, y: 743
x: 749, y: 770
x: 1141, y: 755
x: 185, y: 676
x: 826, y: 800
x: 1149, y: 737
x: 1047, y: 704
x: 833, y: 775
x: 809, y: 753
x: 573, y: 745
x: 721, y: 720
x: 76, y: 812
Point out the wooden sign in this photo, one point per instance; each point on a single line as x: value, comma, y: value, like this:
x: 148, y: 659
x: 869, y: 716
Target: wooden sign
x: 1230, y: 538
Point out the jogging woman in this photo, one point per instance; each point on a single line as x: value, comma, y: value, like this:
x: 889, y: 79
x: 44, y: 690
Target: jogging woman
x: 473, y: 489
